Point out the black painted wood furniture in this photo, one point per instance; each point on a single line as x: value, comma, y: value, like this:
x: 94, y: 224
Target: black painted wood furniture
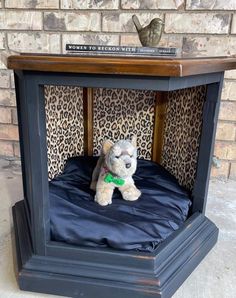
x: 58, y: 268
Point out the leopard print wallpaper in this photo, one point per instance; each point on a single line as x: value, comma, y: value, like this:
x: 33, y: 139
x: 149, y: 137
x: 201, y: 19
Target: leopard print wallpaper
x: 121, y: 113
x: 182, y: 132
x: 64, y: 125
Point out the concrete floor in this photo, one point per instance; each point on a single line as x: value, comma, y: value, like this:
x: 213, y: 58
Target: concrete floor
x: 215, y: 277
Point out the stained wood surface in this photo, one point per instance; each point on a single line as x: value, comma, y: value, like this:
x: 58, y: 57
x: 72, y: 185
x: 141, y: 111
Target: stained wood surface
x: 88, y: 120
x: 175, y: 67
x: 159, y: 122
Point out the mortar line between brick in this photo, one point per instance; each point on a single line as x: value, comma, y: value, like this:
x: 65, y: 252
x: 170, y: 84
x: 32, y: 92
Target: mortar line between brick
x: 1, y: 140
x: 61, y: 44
x: 227, y: 160
x: 228, y: 142
x: 230, y: 23
x: 230, y: 80
x: 229, y: 170
x: 12, y: 118
x: 226, y: 121
x: 119, y: 9
x: 101, y: 21
x: 29, y: 31
x: 167, y: 10
x: 8, y: 124
x: 210, y: 10
x: 112, y: 32
x: 228, y: 100
x: 133, y: 32
x: 7, y: 106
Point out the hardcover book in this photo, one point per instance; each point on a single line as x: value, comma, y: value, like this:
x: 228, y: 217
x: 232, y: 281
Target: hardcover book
x: 120, y: 50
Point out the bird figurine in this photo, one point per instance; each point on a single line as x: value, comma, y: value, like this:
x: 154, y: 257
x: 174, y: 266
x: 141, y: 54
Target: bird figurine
x: 149, y: 35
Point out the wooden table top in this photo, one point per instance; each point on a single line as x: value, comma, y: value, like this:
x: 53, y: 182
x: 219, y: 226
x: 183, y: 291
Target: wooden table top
x: 143, y: 66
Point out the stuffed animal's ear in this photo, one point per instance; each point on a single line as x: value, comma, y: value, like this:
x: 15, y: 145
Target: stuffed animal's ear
x: 134, y: 141
x: 107, y: 146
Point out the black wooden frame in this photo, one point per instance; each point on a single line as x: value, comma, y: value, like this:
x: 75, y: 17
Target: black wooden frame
x: 150, y: 273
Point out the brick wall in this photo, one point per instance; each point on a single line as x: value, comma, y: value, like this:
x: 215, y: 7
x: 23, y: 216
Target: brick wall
x: 199, y: 27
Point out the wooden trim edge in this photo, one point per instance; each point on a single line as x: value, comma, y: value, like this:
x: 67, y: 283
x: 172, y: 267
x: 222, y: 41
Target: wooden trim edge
x: 159, y: 122
x: 88, y: 120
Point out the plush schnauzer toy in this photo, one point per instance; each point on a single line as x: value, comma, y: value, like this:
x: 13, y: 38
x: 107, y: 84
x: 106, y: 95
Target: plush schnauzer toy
x: 115, y: 168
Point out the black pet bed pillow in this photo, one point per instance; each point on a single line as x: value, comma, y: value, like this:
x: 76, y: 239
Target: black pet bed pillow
x: 139, y: 225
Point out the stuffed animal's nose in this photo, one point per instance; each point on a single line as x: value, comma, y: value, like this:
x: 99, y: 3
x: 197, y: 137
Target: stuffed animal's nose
x: 128, y: 165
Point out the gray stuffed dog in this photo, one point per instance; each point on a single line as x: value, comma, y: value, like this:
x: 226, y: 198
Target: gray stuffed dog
x: 115, y: 168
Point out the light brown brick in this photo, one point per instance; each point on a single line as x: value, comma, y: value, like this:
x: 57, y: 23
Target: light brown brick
x: 9, y: 132
x: 129, y: 40
x: 232, y: 152
x: 229, y: 90
x: 70, y: 21
x: 87, y: 4
x: 101, y: 39
x: 34, y: 42
x: 7, y: 97
x: 5, y: 115
x: 230, y: 74
x: 2, y: 41
x: 4, y: 79
x: 147, y: 4
x: 3, y: 60
x: 167, y: 40
x: 16, y: 147
x: 32, y: 4
x: 20, y: 20
x: 225, y: 150
x: 227, y: 111
x: 14, y: 116
x: 207, y: 23
x: 222, y: 171
x: 209, y: 46
x: 226, y: 131
x: 220, y: 150
x: 211, y: 5
x: 6, y: 148
x: 122, y: 22
x: 232, y: 173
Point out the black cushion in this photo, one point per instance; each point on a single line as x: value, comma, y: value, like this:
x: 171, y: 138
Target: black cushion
x: 140, y: 225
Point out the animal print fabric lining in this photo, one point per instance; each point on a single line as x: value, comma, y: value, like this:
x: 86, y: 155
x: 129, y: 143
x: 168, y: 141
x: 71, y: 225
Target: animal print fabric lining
x: 122, y: 113
x: 119, y: 114
x: 182, y: 132
x: 64, y: 125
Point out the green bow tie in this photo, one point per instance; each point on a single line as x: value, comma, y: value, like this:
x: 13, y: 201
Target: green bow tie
x: 110, y: 178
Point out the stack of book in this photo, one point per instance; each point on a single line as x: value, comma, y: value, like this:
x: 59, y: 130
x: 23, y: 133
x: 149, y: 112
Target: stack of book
x: 119, y: 50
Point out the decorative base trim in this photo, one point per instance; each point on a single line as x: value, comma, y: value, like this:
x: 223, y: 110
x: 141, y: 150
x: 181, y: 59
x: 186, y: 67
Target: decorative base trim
x: 163, y: 273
